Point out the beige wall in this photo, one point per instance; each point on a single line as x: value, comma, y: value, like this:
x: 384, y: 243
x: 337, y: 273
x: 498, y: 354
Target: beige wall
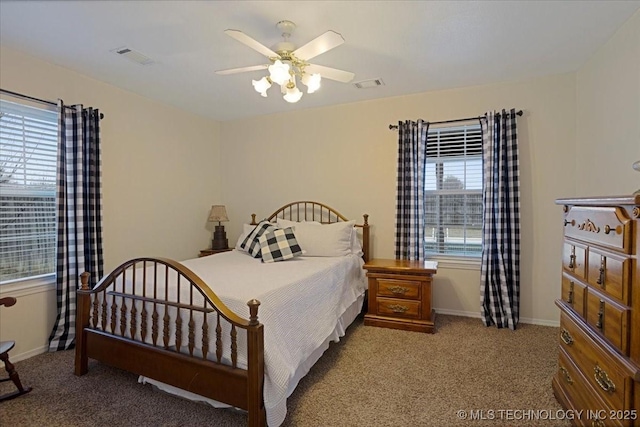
x: 160, y: 171
x: 608, y: 116
x: 345, y: 156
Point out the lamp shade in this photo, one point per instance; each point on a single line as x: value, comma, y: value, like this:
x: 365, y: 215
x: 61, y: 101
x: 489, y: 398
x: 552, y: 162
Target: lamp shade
x: 218, y: 213
x: 312, y: 81
x: 279, y: 72
x: 292, y: 95
x: 261, y: 86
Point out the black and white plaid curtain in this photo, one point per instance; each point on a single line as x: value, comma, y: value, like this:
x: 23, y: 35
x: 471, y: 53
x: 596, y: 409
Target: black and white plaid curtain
x: 79, y: 199
x: 500, y: 271
x: 412, y: 157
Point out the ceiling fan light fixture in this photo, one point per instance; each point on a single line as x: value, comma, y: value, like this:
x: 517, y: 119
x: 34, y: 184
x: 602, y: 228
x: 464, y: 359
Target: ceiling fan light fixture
x: 293, y: 95
x: 312, y: 81
x: 289, y: 63
x: 279, y: 72
x: 262, y: 85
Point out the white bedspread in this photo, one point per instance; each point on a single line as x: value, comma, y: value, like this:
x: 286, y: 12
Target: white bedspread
x: 301, y: 300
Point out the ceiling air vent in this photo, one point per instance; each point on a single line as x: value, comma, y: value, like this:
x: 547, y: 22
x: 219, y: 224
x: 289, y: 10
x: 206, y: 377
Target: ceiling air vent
x: 132, y: 55
x: 365, y: 84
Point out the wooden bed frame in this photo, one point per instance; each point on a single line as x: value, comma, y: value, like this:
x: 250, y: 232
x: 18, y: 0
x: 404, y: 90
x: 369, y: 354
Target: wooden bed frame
x: 172, y: 359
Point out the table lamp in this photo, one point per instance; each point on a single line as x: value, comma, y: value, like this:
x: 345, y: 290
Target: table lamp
x: 219, y: 213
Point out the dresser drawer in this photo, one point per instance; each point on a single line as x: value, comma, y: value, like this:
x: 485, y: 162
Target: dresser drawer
x: 399, y: 308
x: 574, y: 257
x: 608, y: 226
x: 398, y: 288
x: 574, y: 293
x: 584, y: 398
x: 609, y: 318
x: 610, y: 273
x: 603, y: 371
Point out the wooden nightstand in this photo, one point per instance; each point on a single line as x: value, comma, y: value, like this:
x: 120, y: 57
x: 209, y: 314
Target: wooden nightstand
x: 400, y: 294
x: 207, y: 252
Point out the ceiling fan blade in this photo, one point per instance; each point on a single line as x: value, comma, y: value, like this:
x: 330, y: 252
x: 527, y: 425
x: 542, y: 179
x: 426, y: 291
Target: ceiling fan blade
x: 242, y: 69
x: 253, y: 44
x: 319, y: 45
x: 330, y: 73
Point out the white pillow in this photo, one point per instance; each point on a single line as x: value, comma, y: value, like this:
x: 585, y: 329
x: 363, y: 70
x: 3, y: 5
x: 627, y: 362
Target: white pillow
x: 246, y: 229
x: 318, y: 239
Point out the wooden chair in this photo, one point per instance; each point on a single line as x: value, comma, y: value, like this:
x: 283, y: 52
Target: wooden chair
x: 5, y: 347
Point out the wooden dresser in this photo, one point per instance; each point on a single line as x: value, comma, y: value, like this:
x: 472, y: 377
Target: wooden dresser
x: 400, y: 294
x: 599, y: 340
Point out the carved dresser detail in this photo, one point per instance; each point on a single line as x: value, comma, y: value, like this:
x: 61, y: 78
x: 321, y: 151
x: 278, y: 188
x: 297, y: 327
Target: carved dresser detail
x: 599, y: 340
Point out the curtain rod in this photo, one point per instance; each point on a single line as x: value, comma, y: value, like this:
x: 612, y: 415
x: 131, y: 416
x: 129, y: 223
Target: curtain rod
x: 31, y: 98
x: 519, y: 113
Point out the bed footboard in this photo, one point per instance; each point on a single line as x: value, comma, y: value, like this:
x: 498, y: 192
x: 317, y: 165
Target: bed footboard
x: 156, y: 318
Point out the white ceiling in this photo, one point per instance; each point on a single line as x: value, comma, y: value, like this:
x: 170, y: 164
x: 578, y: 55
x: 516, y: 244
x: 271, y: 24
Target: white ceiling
x: 413, y: 46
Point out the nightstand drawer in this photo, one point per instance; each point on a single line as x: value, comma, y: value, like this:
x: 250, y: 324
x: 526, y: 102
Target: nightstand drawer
x: 399, y: 288
x: 399, y: 308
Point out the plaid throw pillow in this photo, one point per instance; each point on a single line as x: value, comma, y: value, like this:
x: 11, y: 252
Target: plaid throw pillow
x: 279, y: 245
x: 251, y: 244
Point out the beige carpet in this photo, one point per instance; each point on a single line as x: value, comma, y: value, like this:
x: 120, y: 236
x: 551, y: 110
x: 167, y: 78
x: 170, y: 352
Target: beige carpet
x: 372, y: 377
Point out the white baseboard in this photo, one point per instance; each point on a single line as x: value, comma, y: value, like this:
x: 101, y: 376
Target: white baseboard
x: 476, y: 315
x: 34, y: 352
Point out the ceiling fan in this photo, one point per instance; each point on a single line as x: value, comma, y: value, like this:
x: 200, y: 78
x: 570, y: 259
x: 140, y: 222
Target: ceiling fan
x: 288, y: 63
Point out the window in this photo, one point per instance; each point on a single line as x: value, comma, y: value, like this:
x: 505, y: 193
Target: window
x: 28, y: 154
x: 453, y: 191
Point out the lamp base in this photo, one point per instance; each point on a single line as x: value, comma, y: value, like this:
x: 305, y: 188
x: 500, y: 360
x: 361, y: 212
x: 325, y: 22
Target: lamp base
x: 219, y: 238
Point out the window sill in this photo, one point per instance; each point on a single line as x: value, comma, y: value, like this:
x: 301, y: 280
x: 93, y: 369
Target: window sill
x: 30, y: 286
x: 458, y: 263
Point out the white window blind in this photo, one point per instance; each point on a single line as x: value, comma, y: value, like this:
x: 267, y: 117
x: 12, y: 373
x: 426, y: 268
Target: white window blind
x: 28, y: 155
x: 453, y: 191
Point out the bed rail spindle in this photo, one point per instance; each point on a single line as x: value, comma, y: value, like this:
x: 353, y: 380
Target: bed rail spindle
x: 103, y: 320
x: 178, y: 329
x: 123, y: 316
x: 192, y: 333
x: 143, y: 312
x: 165, y: 330
x: 218, y: 340
x: 205, y: 333
x: 154, y: 325
x: 166, y: 319
x: 96, y: 305
x: 234, y: 346
x: 133, y: 321
x: 143, y: 321
x: 114, y: 312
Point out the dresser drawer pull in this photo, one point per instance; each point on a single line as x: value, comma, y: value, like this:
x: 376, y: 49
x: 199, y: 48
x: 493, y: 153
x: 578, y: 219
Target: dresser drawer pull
x: 572, y: 222
x: 397, y: 308
x: 572, y: 259
x: 566, y: 375
x: 600, y: 280
x: 399, y: 290
x: 570, y: 297
x: 608, y: 229
x: 566, y: 337
x: 600, y: 315
x: 603, y: 380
